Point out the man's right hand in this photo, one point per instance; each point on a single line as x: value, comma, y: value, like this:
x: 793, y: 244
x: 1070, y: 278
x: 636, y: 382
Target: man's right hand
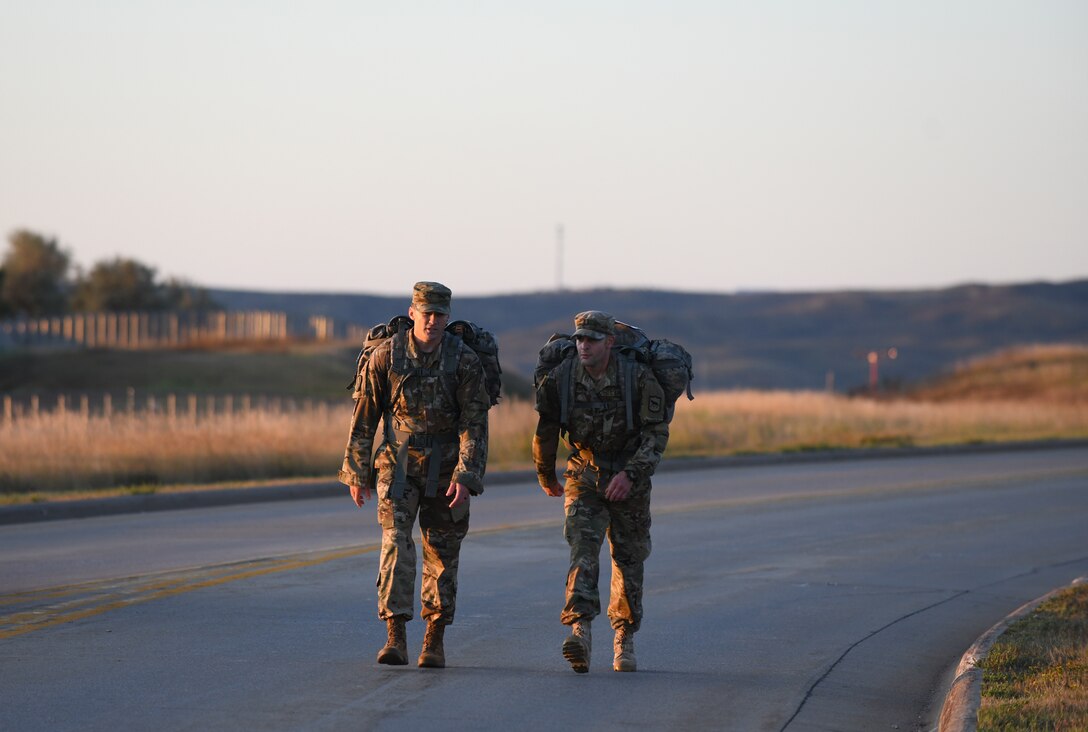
x: 359, y: 494
x: 553, y: 488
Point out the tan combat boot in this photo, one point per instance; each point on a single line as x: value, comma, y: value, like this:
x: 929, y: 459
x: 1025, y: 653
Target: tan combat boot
x: 433, y: 656
x: 395, y: 652
x: 624, y: 647
x: 577, y: 648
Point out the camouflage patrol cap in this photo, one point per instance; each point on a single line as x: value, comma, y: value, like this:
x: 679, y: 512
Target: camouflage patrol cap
x: 594, y: 324
x: 431, y: 297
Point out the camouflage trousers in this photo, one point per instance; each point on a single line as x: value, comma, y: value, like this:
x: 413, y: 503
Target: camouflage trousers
x: 589, y: 518
x: 441, y: 531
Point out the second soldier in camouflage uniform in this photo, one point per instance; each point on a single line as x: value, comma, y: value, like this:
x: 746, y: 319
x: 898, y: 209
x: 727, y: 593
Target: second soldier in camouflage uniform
x: 607, y: 492
x: 429, y: 387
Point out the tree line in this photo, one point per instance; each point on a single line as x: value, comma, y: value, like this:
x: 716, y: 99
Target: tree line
x: 38, y: 278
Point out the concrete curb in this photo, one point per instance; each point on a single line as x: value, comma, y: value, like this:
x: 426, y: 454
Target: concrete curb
x: 54, y: 510
x: 960, y: 710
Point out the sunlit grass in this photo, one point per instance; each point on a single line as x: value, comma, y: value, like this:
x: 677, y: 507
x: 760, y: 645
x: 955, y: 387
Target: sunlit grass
x: 73, y: 451
x: 1036, y: 674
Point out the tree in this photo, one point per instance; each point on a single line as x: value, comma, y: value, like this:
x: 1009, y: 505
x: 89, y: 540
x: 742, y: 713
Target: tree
x: 35, y: 275
x: 182, y: 295
x: 116, y: 285
x: 3, y: 305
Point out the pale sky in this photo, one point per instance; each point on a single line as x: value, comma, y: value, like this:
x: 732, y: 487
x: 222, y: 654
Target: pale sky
x: 359, y: 146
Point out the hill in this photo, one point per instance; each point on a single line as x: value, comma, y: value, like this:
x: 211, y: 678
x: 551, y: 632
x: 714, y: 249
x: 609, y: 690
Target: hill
x: 758, y: 340
x: 1053, y: 373
x: 747, y: 340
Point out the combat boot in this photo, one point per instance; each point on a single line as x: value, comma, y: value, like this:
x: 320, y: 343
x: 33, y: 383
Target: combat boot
x: 433, y: 656
x: 577, y: 648
x: 624, y: 647
x: 395, y: 652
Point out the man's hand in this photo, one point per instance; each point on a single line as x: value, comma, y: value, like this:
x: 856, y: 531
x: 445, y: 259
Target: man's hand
x: 359, y: 493
x: 460, y: 494
x: 619, y: 487
x: 553, y: 488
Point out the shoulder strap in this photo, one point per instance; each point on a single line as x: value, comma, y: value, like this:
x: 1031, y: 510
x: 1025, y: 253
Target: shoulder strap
x: 626, y: 370
x: 451, y: 352
x: 399, y: 352
x: 451, y: 357
x: 565, y: 384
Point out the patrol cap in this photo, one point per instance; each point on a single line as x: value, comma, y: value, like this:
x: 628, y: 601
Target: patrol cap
x: 431, y: 297
x: 594, y: 324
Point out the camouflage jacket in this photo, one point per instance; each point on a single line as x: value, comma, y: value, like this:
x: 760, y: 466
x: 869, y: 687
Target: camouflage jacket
x: 597, y: 431
x: 430, y: 403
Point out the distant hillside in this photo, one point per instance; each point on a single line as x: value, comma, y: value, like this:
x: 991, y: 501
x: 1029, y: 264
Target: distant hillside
x: 759, y: 340
x: 1053, y: 373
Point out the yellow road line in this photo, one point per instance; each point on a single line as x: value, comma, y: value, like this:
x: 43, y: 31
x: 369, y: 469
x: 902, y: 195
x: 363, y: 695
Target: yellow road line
x: 28, y: 621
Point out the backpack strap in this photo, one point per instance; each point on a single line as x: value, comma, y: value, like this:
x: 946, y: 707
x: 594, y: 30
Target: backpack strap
x: 626, y: 371
x: 433, y: 444
x: 565, y: 382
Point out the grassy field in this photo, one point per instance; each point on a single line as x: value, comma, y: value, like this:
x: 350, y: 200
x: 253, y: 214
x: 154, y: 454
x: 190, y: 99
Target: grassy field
x: 287, y: 369
x: 61, y: 453
x: 1029, y: 394
x: 1036, y: 675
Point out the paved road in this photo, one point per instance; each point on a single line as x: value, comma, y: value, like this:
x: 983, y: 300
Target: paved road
x: 834, y: 596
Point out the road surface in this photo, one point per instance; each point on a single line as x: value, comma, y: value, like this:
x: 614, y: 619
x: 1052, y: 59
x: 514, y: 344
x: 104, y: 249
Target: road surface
x: 824, y: 596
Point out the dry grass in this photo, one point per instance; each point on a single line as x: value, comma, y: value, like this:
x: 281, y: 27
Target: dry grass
x: 752, y: 421
x: 1051, y: 373
x: 69, y: 452
x: 1036, y: 675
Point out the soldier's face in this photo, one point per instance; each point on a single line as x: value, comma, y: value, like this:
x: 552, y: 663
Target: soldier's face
x: 593, y: 353
x: 428, y: 327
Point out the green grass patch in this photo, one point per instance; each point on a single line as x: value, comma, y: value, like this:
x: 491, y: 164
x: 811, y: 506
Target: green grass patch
x: 1036, y: 676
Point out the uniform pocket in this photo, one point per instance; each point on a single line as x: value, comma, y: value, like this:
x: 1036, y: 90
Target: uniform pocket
x: 460, y: 512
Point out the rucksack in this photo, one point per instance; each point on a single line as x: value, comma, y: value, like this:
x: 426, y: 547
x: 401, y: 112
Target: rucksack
x: 482, y: 342
x: 670, y: 362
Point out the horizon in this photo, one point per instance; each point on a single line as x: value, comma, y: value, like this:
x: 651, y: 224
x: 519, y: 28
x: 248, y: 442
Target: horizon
x: 612, y: 288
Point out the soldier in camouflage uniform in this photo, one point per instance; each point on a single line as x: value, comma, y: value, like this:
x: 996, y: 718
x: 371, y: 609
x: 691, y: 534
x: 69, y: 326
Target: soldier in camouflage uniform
x: 608, y: 473
x: 429, y: 388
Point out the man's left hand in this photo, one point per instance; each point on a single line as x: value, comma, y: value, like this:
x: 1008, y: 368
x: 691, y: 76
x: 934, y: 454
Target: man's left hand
x: 459, y: 493
x: 619, y: 487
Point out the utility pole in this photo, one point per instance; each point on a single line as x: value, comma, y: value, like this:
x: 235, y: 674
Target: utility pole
x: 559, y: 257
x: 873, y: 357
